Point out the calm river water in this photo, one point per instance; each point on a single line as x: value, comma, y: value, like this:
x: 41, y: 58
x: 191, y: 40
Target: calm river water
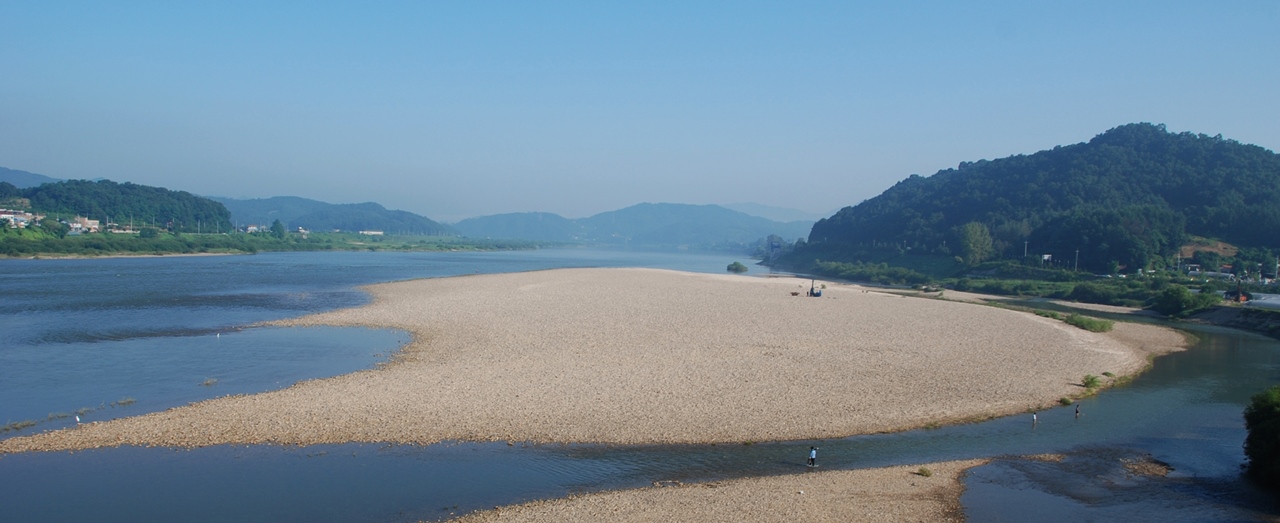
x: 121, y: 337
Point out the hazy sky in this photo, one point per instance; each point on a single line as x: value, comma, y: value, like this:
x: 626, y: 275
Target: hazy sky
x: 460, y: 109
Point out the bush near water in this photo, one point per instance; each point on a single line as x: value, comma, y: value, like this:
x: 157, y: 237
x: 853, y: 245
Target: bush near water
x: 1262, y: 443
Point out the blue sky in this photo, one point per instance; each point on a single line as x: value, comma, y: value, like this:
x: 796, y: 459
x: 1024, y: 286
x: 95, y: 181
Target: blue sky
x: 461, y: 109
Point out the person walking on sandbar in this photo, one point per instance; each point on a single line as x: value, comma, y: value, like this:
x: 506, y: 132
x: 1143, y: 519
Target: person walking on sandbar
x: 813, y: 456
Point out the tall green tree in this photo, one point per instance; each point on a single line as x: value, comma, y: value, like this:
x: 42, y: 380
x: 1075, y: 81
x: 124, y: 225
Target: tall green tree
x: 975, y: 243
x: 277, y: 229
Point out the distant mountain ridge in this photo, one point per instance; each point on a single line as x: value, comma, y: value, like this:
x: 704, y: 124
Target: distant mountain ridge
x: 777, y: 214
x: 316, y: 215
x: 24, y: 179
x: 650, y: 225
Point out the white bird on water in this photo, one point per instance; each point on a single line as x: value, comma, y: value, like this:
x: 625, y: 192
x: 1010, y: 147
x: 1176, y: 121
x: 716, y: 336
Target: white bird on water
x: 77, y: 420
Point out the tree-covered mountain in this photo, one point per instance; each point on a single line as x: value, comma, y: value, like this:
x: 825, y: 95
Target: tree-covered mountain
x: 648, y: 225
x: 315, y: 215
x: 24, y: 179
x: 1126, y: 197
x: 123, y: 203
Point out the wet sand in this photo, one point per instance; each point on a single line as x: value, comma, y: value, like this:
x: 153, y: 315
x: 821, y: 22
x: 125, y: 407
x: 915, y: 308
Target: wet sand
x: 636, y: 356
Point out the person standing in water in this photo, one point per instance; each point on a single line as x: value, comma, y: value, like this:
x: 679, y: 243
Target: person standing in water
x: 813, y: 456
x: 1077, y: 410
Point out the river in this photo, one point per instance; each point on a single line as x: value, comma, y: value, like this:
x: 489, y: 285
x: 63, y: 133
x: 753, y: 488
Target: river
x: 91, y: 334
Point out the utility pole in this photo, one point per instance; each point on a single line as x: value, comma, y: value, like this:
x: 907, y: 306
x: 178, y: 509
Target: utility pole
x: 1024, y: 248
x: 1077, y: 269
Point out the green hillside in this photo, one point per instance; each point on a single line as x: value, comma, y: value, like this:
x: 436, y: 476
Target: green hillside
x: 314, y: 215
x: 123, y: 203
x: 1129, y: 197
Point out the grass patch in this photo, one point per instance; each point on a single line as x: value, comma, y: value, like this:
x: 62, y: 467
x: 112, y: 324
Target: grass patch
x: 1091, y: 382
x: 924, y: 471
x: 18, y: 425
x: 1109, y: 374
x: 1090, y: 324
x: 58, y: 415
x: 1065, y: 401
x: 84, y: 410
x: 209, y: 382
x: 1048, y: 314
x: 123, y: 402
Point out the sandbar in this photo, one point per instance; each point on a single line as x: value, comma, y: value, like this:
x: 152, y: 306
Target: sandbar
x: 883, y: 494
x: 646, y: 356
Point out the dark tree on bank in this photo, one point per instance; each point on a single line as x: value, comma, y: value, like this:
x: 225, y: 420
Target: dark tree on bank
x: 277, y: 229
x: 1262, y: 444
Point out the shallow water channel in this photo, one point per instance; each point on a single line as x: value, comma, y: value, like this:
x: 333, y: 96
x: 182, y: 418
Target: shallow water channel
x: 1184, y: 412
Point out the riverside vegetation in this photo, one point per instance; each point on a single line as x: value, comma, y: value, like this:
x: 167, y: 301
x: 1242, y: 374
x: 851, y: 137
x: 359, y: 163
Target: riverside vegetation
x: 1114, y: 221
x: 35, y: 243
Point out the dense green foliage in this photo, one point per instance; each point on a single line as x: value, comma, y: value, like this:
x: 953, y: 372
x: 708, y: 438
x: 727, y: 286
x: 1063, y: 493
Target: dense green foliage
x: 123, y: 203
x: 736, y: 267
x: 1262, y: 444
x: 1126, y: 198
x: 870, y: 272
x: 314, y: 215
x: 1177, y: 300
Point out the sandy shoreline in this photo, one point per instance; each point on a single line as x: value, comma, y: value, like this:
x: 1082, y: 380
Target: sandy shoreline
x: 882, y: 494
x: 635, y: 356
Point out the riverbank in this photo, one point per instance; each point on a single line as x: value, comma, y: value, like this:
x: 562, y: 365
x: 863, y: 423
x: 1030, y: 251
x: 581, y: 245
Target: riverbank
x: 883, y: 494
x: 638, y: 356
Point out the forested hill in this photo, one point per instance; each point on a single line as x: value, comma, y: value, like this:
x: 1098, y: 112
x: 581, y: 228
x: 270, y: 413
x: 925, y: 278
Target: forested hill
x: 123, y: 203
x: 1127, y: 196
x: 315, y: 215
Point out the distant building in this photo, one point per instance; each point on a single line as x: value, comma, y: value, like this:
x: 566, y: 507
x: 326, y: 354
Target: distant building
x: 372, y: 233
x: 19, y: 219
x: 84, y: 224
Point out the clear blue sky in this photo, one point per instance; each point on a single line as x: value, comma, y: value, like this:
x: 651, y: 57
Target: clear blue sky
x: 467, y: 108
